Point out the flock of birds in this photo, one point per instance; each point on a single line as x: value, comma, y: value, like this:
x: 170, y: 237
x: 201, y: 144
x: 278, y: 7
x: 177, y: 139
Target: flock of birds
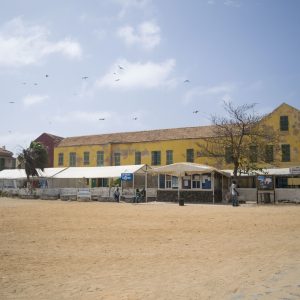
x: 121, y: 68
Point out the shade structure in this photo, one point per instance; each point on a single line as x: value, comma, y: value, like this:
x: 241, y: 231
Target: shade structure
x: 21, y: 174
x: 183, y: 168
x: 99, y: 172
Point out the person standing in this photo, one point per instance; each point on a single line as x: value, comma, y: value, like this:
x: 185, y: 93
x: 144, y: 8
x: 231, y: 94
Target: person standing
x: 117, y: 195
x: 234, y: 194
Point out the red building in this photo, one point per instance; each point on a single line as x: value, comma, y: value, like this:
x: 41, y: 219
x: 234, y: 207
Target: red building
x: 49, y: 141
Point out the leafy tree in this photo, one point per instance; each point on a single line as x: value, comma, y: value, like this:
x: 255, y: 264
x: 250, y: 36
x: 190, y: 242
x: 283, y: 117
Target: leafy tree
x: 35, y: 156
x: 242, y: 138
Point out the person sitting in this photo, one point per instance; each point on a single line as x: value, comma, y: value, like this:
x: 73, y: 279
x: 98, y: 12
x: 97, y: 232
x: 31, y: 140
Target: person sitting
x: 137, y: 197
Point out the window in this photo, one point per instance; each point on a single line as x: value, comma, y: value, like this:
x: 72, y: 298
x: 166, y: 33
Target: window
x: 168, y: 181
x: 86, y: 158
x: 162, y: 181
x: 196, y: 181
x: 253, y: 153
x: 117, y: 159
x: 72, y: 159
x: 100, y: 158
x: 190, y: 155
x: 284, y: 123
x: 169, y: 157
x: 138, y: 157
x: 285, y: 152
x: 2, y: 163
x: 155, y: 158
x: 60, y: 159
x: 103, y: 182
x: 269, y: 154
x: 228, y: 155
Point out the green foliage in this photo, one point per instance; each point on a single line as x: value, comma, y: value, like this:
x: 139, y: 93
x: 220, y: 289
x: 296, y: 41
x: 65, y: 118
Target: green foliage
x: 34, y: 157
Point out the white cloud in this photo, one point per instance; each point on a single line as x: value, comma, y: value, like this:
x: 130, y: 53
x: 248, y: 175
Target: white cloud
x: 15, y: 141
x: 22, y: 44
x: 127, y: 5
x: 147, y: 35
x: 223, y: 90
x: 30, y: 100
x: 138, y: 75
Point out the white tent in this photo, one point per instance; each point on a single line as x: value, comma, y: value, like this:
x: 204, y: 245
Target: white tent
x: 21, y: 174
x: 99, y: 172
x: 182, y: 169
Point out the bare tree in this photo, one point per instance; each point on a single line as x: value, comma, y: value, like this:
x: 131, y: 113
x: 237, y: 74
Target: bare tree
x: 242, y: 138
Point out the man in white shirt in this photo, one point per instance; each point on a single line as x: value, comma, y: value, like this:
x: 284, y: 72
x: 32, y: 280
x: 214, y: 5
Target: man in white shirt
x: 234, y: 194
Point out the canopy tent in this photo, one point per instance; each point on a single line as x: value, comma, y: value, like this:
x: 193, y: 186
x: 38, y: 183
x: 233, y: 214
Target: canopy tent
x: 99, y: 172
x: 180, y: 169
x: 183, y: 169
x: 21, y: 174
x: 17, y: 177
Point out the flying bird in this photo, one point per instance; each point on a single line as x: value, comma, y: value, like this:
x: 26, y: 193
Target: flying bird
x: 84, y: 77
x: 23, y: 82
x: 118, y: 79
x: 35, y: 83
x: 186, y: 81
x: 121, y: 68
x: 46, y: 75
x: 101, y: 119
x: 195, y: 111
x: 11, y: 102
x: 134, y: 118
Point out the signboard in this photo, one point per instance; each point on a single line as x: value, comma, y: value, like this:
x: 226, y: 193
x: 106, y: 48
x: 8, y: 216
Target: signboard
x: 295, y: 170
x: 126, y: 176
x: 265, y: 182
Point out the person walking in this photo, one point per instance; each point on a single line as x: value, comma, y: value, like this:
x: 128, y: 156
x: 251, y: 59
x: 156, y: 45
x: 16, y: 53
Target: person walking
x: 234, y: 194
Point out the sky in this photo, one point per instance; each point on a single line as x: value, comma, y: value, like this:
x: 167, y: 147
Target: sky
x: 74, y: 68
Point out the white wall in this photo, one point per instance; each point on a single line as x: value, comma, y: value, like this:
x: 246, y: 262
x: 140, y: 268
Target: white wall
x: 292, y: 195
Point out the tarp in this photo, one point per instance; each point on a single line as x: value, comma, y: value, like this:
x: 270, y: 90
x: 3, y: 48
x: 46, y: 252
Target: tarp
x: 100, y: 172
x: 181, y: 169
x: 272, y: 171
x: 21, y: 174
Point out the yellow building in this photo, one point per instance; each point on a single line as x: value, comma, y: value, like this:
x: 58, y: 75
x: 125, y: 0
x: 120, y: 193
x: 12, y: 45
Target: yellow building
x: 166, y: 146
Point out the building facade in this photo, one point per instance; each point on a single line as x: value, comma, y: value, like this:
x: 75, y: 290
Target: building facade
x: 7, y: 161
x: 49, y: 141
x: 167, y: 146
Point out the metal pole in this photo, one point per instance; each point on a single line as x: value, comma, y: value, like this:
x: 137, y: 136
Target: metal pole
x: 213, y: 185
x: 146, y: 186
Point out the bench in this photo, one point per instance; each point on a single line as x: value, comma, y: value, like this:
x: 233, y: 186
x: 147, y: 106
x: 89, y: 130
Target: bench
x: 84, y: 195
x: 68, y: 194
x: 49, y: 194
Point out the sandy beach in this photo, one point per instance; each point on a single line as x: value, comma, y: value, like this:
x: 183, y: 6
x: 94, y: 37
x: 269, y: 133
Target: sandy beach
x: 75, y: 250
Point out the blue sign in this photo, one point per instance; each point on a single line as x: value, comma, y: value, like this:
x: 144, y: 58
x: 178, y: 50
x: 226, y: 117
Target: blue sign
x: 126, y: 176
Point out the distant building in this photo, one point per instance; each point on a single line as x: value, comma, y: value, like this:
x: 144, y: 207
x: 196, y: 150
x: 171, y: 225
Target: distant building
x: 49, y: 141
x: 167, y: 146
x: 7, y: 161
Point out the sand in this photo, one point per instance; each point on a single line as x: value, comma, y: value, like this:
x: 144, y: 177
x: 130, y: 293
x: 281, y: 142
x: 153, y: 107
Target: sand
x: 74, y: 250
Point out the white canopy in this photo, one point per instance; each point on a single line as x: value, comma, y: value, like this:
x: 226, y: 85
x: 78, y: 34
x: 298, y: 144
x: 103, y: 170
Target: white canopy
x: 272, y: 171
x: 21, y: 174
x: 180, y: 169
x: 100, y: 172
